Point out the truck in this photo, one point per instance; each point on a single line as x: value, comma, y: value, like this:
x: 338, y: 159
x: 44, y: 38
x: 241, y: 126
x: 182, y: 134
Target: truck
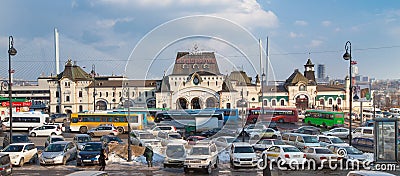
x: 201, y: 124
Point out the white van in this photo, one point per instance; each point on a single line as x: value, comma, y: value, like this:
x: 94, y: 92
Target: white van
x: 363, y: 132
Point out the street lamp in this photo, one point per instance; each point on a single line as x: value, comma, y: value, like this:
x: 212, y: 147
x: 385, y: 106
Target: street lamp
x: 126, y: 90
x: 94, y: 87
x: 347, y: 56
x: 11, y: 52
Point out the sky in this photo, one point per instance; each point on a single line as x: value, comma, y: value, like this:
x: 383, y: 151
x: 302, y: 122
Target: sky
x: 140, y: 39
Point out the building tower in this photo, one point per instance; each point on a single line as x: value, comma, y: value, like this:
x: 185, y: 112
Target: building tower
x: 321, y: 71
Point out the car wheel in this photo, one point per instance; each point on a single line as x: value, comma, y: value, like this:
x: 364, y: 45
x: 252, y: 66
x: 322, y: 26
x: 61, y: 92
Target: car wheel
x: 120, y: 130
x: 91, y: 135
x: 209, y: 168
x: 64, y: 162
x: 21, y: 162
x: 216, y: 163
x: 35, y: 159
x: 33, y: 134
x: 53, y: 134
x: 83, y: 130
x: 186, y: 170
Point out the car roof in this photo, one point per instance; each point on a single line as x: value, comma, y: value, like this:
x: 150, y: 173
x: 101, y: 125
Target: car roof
x: 82, y: 135
x: 241, y: 144
x: 285, y: 146
x: 60, y: 142
x: 21, y: 143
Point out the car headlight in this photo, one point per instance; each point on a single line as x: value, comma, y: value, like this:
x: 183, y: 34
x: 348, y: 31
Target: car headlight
x: 79, y: 156
x: 98, y: 156
x: 15, y: 157
x: 236, y: 159
x: 59, y: 157
x: 255, y: 159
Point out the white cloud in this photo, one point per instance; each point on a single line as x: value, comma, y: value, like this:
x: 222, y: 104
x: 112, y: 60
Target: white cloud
x: 326, y: 23
x: 338, y: 29
x: 295, y: 35
x: 109, y: 23
x: 301, y: 23
x: 315, y: 43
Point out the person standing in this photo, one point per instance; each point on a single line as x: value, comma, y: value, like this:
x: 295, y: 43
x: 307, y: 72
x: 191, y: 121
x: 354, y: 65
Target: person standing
x: 102, y: 160
x: 148, y: 153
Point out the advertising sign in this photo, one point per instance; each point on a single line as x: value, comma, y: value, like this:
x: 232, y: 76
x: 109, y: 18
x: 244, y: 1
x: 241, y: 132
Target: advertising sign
x: 16, y: 104
x: 362, y: 93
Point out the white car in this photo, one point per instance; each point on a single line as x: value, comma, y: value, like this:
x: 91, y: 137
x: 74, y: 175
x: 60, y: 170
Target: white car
x: 264, y: 144
x: 328, y: 140
x: 242, y: 155
x: 164, y: 128
x: 265, y: 133
x: 338, y: 132
x: 284, y: 154
x: 20, y: 153
x: 202, y: 156
x: 225, y: 141
x: 321, y: 155
x: 45, y: 130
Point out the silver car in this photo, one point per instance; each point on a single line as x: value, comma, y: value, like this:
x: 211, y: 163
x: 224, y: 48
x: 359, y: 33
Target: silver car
x: 103, y: 130
x: 81, y: 139
x: 58, y: 153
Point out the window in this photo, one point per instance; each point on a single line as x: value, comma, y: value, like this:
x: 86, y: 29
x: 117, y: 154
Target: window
x: 67, y: 98
x: 292, y: 138
x: 80, y: 108
x: 282, y: 102
x: 120, y: 94
x: 145, y: 94
x: 57, y: 94
x: 339, y: 101
x: 265, y: 102
x: 321, y: 102
x: 80, y: 94
x: 330, y: 101
x: 273, y: 102
x: 140, y: 94
x: 367, y: 131
x: 100, y: 94
x: 106, y: 94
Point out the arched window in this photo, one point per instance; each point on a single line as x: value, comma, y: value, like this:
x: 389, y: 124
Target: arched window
x: 321, y: 101
x: 273, y: 102
x: 282, y: 102
x: 339, y: 101
x: 330, y: 101
x: 265, y: 102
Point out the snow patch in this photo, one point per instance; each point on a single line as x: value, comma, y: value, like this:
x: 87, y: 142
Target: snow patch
x: 224, y: 156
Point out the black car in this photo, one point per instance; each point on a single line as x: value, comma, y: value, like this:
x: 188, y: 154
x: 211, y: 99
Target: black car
x: 363, y: 144
x: 211, y: 132
x: 307, y: 130
x: 5, y: 164
x: 89, y: 154
x: 16, y: 138
x: 105, y: 139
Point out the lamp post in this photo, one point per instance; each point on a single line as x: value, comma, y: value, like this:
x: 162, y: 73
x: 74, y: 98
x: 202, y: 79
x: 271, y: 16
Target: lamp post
x: 347, y: 56
x: 94, y: 87
x: 129, y: 125
x: 11, y: 52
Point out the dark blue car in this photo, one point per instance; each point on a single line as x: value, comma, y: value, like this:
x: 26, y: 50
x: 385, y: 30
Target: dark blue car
x: 89, y: 154
x: 363, y: 144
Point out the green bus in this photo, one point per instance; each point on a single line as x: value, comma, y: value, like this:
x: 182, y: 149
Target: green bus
x: 326, y: 119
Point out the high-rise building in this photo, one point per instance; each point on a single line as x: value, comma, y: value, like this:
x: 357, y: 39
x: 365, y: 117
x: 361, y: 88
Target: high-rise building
x: 321, y: 71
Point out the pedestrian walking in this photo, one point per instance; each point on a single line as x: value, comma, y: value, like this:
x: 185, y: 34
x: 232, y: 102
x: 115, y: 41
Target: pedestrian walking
x: 148, y: 153
x: 102, y: 160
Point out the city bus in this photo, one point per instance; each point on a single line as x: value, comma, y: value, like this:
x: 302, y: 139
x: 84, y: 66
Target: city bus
x: 326, y: 119
x: 230, y: 115
x: 148, y: 113
x: 180, y: 118
x: 82, y: 122
x: 25, y: 120
x: 273, y: 114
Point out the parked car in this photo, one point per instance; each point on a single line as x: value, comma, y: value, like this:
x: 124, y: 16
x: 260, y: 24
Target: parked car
x: 265, y: 133
x: 45, y: 130
x: 175, y: 155
x: 348, y: 152
x: 89, y: 154
x: 338, y: 132
x: 145, y: 138
x: 202, y: 156
x: 81, y: 139
x: 20, y: 153
x: 164, y: 128
x: 250, y: 128
x: 88, y: 173
x: 242, y: 155
x: 321, y: 155
x: 58, y: 153
x: 59, y: 118
x: 192, y: 140
x: 264, y: 144
x: 363, y: 132
x: 311, y: 130
x: 363, y: 144
x: 166, y: 138
x: 52, y: 139
x: 103, y: 130
x: 225, y: 141
x: 16, y: 138
x: 284, y: 154
x: 301, y: 141
x: 210, y: 132
x: 105, y: 139
x: 328, y: 140
x: 5, y: 164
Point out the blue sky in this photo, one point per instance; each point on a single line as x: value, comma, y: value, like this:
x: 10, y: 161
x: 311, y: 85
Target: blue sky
x: 105, y: 33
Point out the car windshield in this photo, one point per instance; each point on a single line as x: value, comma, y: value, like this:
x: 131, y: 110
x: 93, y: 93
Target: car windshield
x: 84, y: 139
x: 310, y: 139
x: 92, y: 147
x: 243, y: 150
x: 291, y: 149
x: 337, y: 141
x: 175, y: 136
x: 279, y: 142
x: 352, y: 150
x: 175, y: 151
x: 55, y: 148
x: 231, y: 140
x: 115, y: 138
x: 323, y: 151
x: 146, y: 136
x: 13, y: 148
x: 57, y: 139
x: 200, y: 151
x: 20, y: 139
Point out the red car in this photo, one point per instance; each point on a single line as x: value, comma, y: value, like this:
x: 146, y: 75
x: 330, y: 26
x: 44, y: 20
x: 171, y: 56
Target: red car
x: 193, y: 139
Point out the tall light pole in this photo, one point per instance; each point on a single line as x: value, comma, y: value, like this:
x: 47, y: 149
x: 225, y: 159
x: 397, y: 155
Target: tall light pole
x: 94, y: 86
x: 347, y: 56
x: 11, y: 52
x: 129, y: 125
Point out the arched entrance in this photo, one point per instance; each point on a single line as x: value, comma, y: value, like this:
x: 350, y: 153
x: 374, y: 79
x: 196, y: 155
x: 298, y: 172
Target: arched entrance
x: 302, y: 102
x: 151, y: 103
x: 181, y: 103
x: 101, y: 105
x: 211, y: 102
x: 196, y: 103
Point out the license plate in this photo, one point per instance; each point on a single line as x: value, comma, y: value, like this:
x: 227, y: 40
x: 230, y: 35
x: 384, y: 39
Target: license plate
x: 48, y: 161
x: 86, y: 161
x: 296, y: 156
x: 245, y: 162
